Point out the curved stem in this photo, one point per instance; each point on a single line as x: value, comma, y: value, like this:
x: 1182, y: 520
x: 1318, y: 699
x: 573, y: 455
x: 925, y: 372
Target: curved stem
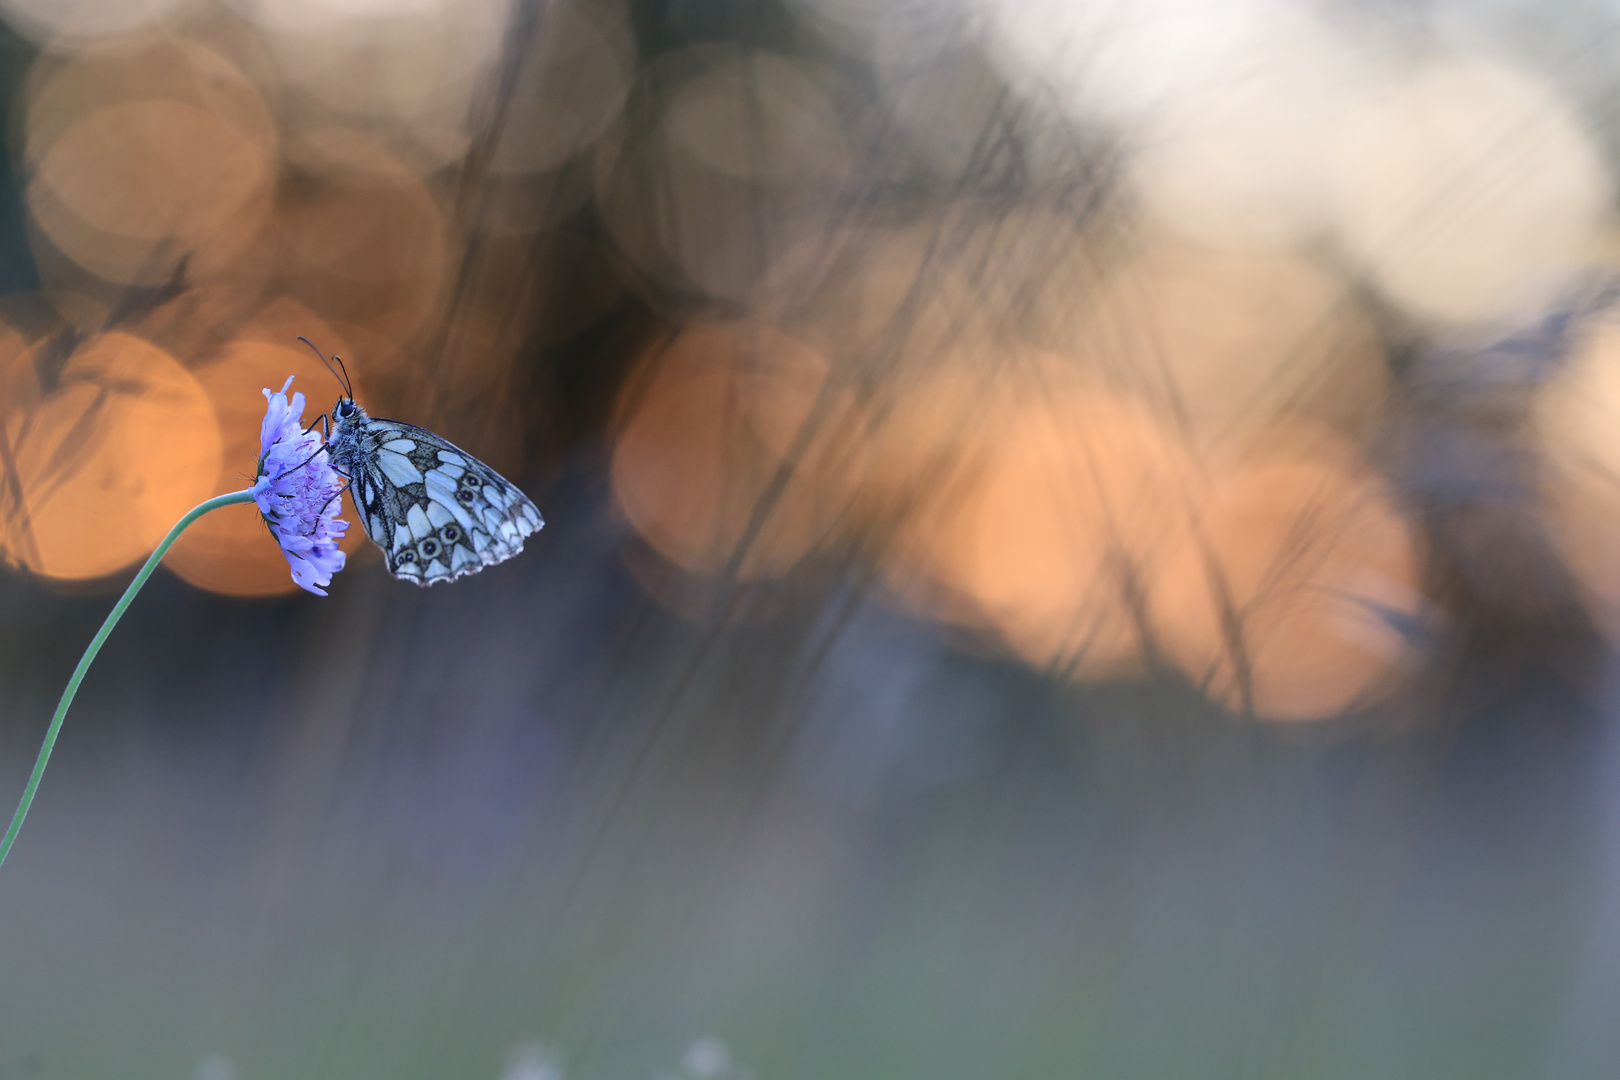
x: 95, y: 647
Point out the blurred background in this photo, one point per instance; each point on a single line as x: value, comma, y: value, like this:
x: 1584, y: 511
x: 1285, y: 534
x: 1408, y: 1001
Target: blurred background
x: 1083, y: 539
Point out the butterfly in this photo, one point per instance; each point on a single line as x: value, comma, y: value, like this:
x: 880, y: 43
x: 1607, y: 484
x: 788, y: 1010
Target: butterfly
x: 437, y: 512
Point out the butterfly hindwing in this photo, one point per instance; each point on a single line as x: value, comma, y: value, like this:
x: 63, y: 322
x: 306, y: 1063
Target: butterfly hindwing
x: 436, y: 511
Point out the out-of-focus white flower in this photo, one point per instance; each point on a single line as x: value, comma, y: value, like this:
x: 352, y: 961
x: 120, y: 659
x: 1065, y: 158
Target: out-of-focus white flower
x: 532, y: 1061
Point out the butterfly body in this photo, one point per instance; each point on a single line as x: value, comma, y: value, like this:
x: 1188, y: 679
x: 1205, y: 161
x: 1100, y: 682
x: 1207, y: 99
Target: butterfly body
x: 437, y: 512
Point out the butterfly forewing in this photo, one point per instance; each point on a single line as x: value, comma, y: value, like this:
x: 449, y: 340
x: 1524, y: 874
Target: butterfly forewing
x: 436, y: 511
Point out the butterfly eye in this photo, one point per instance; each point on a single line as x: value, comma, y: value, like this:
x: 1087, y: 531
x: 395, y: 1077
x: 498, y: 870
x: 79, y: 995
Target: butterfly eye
x: 465, y: 495
x: 451, y: 534
x: 430, y: 548
x: 406, y: 556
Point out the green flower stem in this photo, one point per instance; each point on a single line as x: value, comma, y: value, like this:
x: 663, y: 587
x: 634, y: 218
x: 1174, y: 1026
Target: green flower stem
x: 95, y: 647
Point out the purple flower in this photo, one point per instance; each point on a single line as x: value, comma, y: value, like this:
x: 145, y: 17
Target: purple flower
x: 298, y: 492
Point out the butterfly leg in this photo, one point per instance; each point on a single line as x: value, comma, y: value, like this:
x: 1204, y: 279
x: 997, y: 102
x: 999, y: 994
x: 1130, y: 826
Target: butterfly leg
x: 307, y: 460
x: 341, y: 490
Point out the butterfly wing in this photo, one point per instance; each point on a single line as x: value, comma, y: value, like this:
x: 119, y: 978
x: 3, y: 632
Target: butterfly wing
x: 437, y: 512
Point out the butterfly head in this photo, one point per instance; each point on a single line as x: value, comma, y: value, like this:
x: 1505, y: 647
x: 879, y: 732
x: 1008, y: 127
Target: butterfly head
x: 346, y: 414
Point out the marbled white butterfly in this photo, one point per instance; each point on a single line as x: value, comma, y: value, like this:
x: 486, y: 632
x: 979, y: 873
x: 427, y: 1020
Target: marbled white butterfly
x: 436, y: 511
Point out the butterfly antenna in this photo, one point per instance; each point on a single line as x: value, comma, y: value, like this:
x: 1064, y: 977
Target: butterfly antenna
x: 347, y: 386
x: 343, y: 379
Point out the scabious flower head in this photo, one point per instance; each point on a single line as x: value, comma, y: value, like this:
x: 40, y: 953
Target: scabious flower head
x: 297, y: 491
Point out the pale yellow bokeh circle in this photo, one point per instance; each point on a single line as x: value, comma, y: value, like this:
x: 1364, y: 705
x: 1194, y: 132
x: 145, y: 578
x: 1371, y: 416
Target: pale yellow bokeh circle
x: 1470, y: 192
x: 70, y: 24
x: 61, y: 90
x: 746, y: 137
x: 1232, y: 339
x: 132, y: 191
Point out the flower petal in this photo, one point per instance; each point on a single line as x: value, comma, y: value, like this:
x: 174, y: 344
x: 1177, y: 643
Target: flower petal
x: 298, y: 492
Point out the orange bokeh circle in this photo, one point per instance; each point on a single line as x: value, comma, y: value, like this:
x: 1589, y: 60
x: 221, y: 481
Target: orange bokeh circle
x: 1040, y: 506
x: 728, y: 456
x: 1293, y: 598
x: 104, y: 463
